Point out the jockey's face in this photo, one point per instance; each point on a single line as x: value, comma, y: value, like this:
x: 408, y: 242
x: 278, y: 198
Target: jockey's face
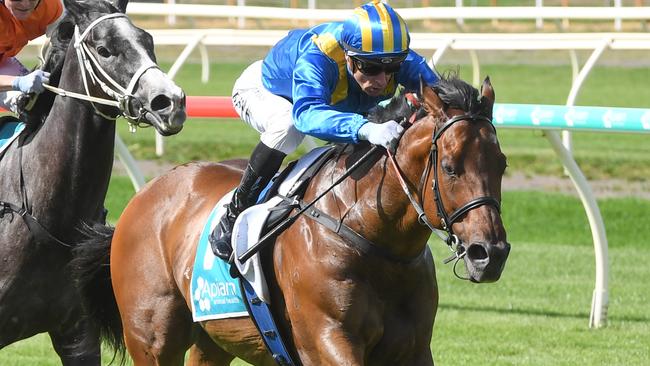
x: 373, y: 85
x: 21, y: 9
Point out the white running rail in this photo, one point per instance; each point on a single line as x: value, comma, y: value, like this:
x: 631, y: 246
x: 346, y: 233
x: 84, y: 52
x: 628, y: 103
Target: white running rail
x: 425, y: 13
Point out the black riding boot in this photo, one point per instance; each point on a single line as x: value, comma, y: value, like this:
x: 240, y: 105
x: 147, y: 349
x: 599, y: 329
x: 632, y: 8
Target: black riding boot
x: 262, y: 166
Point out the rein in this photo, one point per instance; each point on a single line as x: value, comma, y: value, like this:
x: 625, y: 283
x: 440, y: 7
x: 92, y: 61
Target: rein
x: 122, y: 98
x: 432, y: 164
x: 291, y: 219
x: 446, y: 220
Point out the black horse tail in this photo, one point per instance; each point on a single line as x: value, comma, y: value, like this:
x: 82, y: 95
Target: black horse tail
x: 90, y: 269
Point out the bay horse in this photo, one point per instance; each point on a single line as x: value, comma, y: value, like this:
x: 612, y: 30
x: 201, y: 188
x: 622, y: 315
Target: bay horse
x: 335, y: 303
x: 56, y: 176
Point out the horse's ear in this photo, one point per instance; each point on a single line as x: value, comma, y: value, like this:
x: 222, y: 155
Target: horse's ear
x: 429, y: 99
x: 421, y: 89
x: 487, y: 90
x: 488, y: 97
x: 78, y: 9
x: 120, y: 4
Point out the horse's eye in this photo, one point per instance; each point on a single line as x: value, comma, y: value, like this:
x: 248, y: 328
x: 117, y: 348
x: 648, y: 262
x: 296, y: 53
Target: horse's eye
x: 103, y: 51
x: 448, y: 168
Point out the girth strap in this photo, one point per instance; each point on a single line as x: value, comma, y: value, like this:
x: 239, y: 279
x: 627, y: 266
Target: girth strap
x: 39, y: 232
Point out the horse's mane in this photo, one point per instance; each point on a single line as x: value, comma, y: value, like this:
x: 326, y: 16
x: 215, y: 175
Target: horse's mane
x: 52, y: 62
x: 456, y: 93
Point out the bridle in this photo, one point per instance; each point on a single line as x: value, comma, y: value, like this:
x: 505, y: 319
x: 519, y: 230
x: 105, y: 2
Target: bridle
x: 446, y: 220
x: 122, y: 98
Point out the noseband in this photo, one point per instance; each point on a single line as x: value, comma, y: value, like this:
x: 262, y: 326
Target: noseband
x: 446, y: 220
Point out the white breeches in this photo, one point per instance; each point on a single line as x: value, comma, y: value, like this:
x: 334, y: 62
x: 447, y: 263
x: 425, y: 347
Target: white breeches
x: 267, y: 113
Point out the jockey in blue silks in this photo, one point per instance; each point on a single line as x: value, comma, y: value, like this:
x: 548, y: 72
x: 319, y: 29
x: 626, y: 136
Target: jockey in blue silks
x: 321, y: 82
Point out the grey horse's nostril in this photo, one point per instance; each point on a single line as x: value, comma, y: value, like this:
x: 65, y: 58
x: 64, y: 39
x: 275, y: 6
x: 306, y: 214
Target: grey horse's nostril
x: 477, y: 252
x: 160, y: 102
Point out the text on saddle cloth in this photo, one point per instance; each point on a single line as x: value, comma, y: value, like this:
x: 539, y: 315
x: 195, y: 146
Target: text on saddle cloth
x: 215, y: 294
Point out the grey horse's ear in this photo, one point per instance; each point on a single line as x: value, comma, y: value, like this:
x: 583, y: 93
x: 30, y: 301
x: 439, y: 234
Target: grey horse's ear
x: 77, y: 10
x: 120, y: 4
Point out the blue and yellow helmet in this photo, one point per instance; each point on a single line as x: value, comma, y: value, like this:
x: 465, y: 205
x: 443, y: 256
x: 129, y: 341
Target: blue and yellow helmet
x: 375, y: 30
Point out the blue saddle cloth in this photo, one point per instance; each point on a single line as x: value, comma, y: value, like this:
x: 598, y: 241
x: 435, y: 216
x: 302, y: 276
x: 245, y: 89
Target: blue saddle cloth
x: 215, y: 294
x: 9, y: 132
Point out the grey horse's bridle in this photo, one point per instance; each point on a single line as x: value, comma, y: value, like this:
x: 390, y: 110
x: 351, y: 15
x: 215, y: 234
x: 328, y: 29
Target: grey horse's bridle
x: 122, y: 98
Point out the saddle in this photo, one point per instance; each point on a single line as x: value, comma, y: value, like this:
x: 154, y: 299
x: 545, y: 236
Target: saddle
x: 275, y: 203
x: 297, y: 191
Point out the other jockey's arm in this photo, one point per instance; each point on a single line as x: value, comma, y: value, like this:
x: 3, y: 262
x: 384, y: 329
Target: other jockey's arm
x: 30, y: 83
x: 6, y: 82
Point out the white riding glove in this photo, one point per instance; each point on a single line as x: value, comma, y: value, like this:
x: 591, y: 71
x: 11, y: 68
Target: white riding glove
x: 31, y: 83
x: 385, y: 134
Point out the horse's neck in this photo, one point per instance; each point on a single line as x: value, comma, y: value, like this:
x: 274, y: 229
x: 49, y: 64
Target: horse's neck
x: 73, y: 150
x: 376, y: 206
x: 74, y: 129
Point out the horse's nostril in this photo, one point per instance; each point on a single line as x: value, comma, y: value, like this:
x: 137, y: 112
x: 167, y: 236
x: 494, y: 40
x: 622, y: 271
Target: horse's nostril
x: 477, y: 252
x: 160, y: 102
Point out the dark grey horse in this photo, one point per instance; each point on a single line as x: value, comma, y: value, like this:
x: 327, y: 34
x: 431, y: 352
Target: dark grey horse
x: 59, y: 173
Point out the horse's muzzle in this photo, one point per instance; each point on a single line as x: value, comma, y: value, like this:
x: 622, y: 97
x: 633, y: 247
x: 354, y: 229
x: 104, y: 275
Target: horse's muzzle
x: 162, y: 101
x: 485, y: 262
x: 168, y: 113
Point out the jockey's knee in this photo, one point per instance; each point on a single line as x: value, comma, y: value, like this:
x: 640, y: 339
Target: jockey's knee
x: 285, y: 141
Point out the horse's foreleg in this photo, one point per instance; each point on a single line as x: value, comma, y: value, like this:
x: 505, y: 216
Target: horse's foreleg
x: 331, y: 347
x: 325, y: 340
x: 424, y: 358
